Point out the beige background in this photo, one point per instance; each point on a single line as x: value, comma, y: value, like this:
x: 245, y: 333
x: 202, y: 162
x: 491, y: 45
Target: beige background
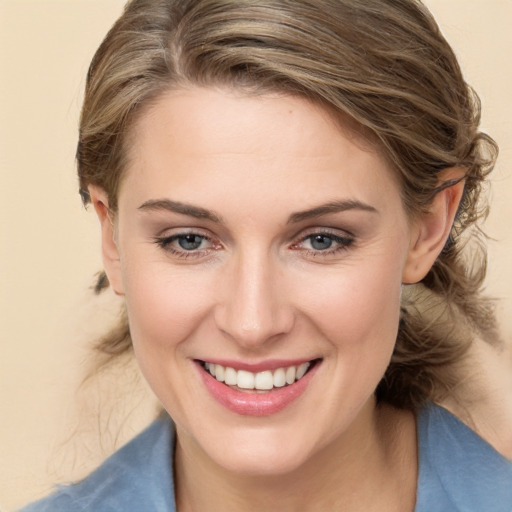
x: 49, y: 245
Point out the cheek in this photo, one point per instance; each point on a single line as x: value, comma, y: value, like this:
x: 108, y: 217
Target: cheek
x: 165, y: 310
x: 358, y: 310
x: 359, y: 318
x: 164, y: 307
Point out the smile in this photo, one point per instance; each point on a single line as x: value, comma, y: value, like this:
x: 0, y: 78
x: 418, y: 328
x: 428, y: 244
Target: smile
x: 262, y: 381
x: 266, y: 391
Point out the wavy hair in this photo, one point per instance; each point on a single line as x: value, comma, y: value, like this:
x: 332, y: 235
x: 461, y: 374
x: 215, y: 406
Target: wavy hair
x: 382, y: 63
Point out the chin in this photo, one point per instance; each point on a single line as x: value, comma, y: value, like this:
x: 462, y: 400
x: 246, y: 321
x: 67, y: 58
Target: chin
x: 258, y: 450
x: 261, y: 460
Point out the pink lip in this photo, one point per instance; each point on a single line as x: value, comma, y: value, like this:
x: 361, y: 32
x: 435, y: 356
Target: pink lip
x: 256, y: 404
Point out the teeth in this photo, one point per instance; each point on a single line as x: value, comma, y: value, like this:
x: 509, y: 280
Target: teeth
x: 245, y: 380
x: 230, y: 377
x: 279, y: 378
x: 265, y: 380
x: 219, y: 372
x: 290, y: 374
x: 301, y: 370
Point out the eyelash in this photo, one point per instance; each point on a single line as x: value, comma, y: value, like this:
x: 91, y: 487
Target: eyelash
x: 342, y: 243
x: 165, y: 243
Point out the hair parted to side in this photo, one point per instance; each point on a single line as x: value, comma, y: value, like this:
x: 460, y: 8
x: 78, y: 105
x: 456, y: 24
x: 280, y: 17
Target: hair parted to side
x: 382, y: 63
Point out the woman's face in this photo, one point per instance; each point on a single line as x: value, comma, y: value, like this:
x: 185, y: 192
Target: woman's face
x: 257, y: 239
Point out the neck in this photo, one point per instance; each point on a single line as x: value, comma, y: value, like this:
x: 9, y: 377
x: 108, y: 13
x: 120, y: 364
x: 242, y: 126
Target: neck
x: 371, y: 467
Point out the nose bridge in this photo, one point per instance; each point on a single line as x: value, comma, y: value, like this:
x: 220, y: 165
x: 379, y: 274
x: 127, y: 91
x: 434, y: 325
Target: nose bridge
x: 254, y: 308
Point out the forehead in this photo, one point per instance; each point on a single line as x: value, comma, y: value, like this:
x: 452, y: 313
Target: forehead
x: 193, y: 138
x: 233, y: 109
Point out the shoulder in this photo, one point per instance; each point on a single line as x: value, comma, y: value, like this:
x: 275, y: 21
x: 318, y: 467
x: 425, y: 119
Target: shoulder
x: 58, y: 502
x: 137, y: 477
x: 458, y: 470
x: 484, y: 401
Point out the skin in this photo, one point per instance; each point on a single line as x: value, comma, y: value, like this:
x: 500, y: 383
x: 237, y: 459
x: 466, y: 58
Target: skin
x: 484, y: 400
x: 257, y: 288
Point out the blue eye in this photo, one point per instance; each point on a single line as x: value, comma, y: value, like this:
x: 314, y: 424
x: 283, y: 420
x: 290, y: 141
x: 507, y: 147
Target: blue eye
x: 321, y: 242
x: 186, y: 244
x: 189, y: 242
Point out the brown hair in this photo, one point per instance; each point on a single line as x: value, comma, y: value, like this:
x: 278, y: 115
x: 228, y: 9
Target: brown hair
x: 382, y: 63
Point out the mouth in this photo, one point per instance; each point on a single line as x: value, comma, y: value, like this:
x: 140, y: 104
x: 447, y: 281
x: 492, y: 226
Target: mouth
x: 271, y: 387
x: 264, y: 381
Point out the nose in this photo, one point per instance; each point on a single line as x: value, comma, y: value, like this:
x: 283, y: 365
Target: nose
x: 253, y: 306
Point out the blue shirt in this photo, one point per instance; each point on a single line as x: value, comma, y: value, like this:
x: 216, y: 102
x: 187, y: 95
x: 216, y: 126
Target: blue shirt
x: 458, y: 472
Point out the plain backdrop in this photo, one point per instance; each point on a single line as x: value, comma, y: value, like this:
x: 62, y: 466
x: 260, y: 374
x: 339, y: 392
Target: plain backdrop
x: 49, y: 245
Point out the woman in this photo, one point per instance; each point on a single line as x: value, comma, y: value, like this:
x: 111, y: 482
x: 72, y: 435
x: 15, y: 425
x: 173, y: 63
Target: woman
x: 284, y: 190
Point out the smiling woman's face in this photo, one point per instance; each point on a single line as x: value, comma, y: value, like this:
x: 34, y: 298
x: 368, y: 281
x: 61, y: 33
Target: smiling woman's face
x: 253, y: 236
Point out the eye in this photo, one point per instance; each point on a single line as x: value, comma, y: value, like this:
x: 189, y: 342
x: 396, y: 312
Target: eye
x: 186, y: 245
x: 323, y: 243
x: 189, y: 242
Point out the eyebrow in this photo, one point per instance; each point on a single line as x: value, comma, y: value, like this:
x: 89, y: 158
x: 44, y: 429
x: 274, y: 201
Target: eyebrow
x: 332, y: 207
x: 205, y: 214
x: 181, y: 208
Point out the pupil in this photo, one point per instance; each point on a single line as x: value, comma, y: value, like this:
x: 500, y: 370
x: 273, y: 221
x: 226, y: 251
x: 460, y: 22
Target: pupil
x: 321, y: 242
x: 190, y: 242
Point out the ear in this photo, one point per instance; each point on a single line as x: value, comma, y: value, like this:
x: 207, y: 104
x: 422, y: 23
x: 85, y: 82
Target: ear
x: 109, y: 250
x: 432, y: 228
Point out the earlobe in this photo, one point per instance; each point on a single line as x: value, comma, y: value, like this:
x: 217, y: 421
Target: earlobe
x: 432, y: 229
x: 109, y: 250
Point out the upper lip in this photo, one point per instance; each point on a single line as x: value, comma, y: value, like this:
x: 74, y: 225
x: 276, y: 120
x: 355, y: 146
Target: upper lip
x: 269, y: 364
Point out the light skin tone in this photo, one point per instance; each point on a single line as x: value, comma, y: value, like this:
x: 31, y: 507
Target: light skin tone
x: 257, y: 229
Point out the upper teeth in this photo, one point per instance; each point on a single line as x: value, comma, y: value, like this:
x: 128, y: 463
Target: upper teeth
x: 262, y: 380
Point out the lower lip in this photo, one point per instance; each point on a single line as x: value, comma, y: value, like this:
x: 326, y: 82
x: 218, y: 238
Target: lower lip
x: 252, y: 403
